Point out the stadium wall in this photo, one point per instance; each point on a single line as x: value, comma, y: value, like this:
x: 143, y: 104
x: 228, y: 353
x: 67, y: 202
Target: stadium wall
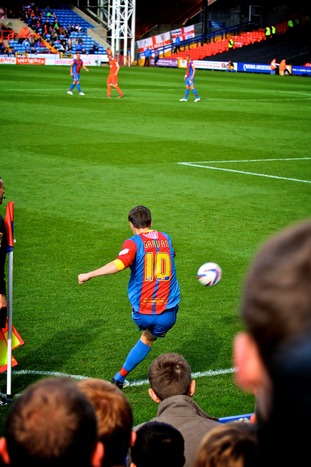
x: 98, y: 60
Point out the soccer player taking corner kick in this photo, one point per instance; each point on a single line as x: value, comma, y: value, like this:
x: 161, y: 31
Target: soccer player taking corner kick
x: 153, y: 288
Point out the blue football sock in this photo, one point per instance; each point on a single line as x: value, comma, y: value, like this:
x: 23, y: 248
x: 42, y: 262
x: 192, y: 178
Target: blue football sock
x: 78, y: 87
x: 186, y: 93
x: 135, y: 356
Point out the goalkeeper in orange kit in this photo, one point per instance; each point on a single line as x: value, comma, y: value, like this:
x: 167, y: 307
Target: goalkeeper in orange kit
x: 112, y: 80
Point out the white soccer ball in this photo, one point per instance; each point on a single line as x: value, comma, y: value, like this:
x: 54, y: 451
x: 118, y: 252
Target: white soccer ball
x: 209, y: 274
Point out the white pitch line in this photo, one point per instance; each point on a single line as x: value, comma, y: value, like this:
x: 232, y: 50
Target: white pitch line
x: 46, y: 373
x: 250, y: 160
x: 136, y: 383
x: 244, y: 172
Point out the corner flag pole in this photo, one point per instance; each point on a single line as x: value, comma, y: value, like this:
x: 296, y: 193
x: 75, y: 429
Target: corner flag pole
x: 9, y: 226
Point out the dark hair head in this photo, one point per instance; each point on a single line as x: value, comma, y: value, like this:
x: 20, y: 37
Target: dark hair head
x: 158, y: 445
x: 51, y: 423
x: 140, y: 217
x: 234, y: 443
x: 170, y: 375
x: 276, y: 303
x: 283, y: 437
x: 115, y: 418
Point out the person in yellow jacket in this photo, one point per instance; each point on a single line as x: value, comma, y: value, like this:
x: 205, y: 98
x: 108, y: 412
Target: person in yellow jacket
x: 230, y: 43
x: 268, y: 32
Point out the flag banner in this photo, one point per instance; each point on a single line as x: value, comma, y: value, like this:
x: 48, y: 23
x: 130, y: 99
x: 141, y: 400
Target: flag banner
x: 17, y: 341
x: 162, y: 39
x: 184, y: 33
x: 154, y: 42
x: 9, y: 225
x: 144, y: 44
x: 166, y: 38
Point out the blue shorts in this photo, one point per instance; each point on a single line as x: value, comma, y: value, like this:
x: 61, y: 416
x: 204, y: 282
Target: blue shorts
x: 158, y: 325
x: 76, y: 77
x: 189, y: 82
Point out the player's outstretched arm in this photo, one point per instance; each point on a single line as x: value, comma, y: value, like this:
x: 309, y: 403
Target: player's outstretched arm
x: 109, y: 268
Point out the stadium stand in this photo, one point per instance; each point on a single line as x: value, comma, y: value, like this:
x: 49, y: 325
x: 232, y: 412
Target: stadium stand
x: 294, y: 47
x: 70, y: 19
x: 75, y: 28
x: 253, y: 46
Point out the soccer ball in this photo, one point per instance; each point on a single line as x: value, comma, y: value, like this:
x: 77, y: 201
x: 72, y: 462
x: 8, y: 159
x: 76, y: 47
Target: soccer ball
x: 209, y: 274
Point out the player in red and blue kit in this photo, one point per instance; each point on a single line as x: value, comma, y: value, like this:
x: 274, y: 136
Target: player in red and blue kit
x: 75, y: 69
x: 189, y: 81
x: 153, y: 288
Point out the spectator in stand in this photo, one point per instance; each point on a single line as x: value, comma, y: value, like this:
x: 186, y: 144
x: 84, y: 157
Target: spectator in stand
x: 230, y: 66
x: 147, y: 54
x: 94, y: 49
x: 37, y: 26
x: 268, y: 32
x: 172, y: 387
x: 54, y: 35
x: 273, y: 66
x: 6, y: 30
x: 52, y: 423
x: 69, y: 45
x: 40, y: 44
x: 291, y: 26
x: 26, y: 45
x: 272, y: 356
x: 229, y: 444
x: 230, y: 44
x: 56, y: 26
x: 177, y: 45
x: 63, y: 45
x: 49, y: 14
x: 23, y: 34
x: 2, y: 47
x: 158, y: 445
x: 11, y: 51
x: 46, y: 29
x: 80, y: 47
x: 63, y: 31
x: 115, y: 419
x: 156, y: 56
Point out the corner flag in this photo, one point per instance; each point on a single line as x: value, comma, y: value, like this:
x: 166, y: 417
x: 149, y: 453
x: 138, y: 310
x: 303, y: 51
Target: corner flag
x: 9, y: 225
x: 9, y: 337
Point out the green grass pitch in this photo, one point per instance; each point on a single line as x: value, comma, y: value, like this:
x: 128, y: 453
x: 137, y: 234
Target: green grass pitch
x: 220, y: 176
